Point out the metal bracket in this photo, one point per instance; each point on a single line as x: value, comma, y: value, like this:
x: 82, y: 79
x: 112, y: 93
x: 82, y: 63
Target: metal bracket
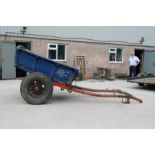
x: 125, y: 100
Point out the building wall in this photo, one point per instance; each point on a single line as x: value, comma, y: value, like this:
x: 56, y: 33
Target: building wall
x: 97, y: 55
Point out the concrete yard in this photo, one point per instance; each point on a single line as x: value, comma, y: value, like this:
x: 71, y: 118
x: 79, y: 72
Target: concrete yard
x: 75, y: 111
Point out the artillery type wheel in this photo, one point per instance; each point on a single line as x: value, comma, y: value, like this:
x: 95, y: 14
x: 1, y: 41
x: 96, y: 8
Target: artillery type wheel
x: 36, y: 88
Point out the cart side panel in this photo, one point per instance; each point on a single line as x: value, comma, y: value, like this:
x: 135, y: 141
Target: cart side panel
x: 64, y: 74
x: 144, y: 80
x: 46, y: 67
x: 57, y: 72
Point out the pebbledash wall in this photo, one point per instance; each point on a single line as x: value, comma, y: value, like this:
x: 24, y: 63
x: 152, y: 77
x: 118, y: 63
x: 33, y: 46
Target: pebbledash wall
x: 96, y: 53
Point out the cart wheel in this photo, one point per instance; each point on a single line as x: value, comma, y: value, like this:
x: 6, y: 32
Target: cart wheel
x: 36, y: 88
x: 141, y: 84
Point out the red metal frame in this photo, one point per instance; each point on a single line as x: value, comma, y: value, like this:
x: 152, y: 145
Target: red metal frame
x: 97, y: 92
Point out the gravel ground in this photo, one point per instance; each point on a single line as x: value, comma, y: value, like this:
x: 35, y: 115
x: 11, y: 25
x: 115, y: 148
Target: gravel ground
x: 75, y: 111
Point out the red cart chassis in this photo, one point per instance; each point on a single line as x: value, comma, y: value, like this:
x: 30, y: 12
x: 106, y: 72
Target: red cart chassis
x: 98, y: 92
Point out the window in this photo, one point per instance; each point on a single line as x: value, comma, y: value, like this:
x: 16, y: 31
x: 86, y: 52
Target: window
x: 56, y: 52
x: 115, y: 55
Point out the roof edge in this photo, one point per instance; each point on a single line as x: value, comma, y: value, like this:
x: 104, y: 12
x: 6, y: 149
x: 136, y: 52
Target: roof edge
x: 111, y: 42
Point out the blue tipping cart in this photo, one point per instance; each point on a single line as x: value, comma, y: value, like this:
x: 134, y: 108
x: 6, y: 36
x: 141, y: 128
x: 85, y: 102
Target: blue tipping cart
x: 37, y: 87
x: 57, y: 72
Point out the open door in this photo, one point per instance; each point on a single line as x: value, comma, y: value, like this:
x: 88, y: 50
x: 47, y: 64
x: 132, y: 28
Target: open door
x: 8, y: 71
x: 149, y: 62
x: 139, y: 53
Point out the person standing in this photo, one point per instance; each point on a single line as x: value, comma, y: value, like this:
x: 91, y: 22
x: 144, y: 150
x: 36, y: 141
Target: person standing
x: 133, y: 62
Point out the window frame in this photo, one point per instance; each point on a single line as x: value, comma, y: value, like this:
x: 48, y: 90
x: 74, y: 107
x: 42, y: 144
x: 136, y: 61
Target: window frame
x: 56, y: 48
x: 115, y: 55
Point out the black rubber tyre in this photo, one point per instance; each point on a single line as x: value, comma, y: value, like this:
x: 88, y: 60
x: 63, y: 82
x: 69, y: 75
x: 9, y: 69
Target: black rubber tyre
x: 36, y: 88
x: 141, y: 84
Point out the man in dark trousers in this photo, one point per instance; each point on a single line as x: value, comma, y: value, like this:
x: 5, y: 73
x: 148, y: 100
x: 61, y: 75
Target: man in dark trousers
x: 133, y: 62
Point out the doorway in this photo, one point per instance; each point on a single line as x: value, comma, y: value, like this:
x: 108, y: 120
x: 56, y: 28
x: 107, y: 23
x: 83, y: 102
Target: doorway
x: 139, y: 53
x: 27, y: 45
